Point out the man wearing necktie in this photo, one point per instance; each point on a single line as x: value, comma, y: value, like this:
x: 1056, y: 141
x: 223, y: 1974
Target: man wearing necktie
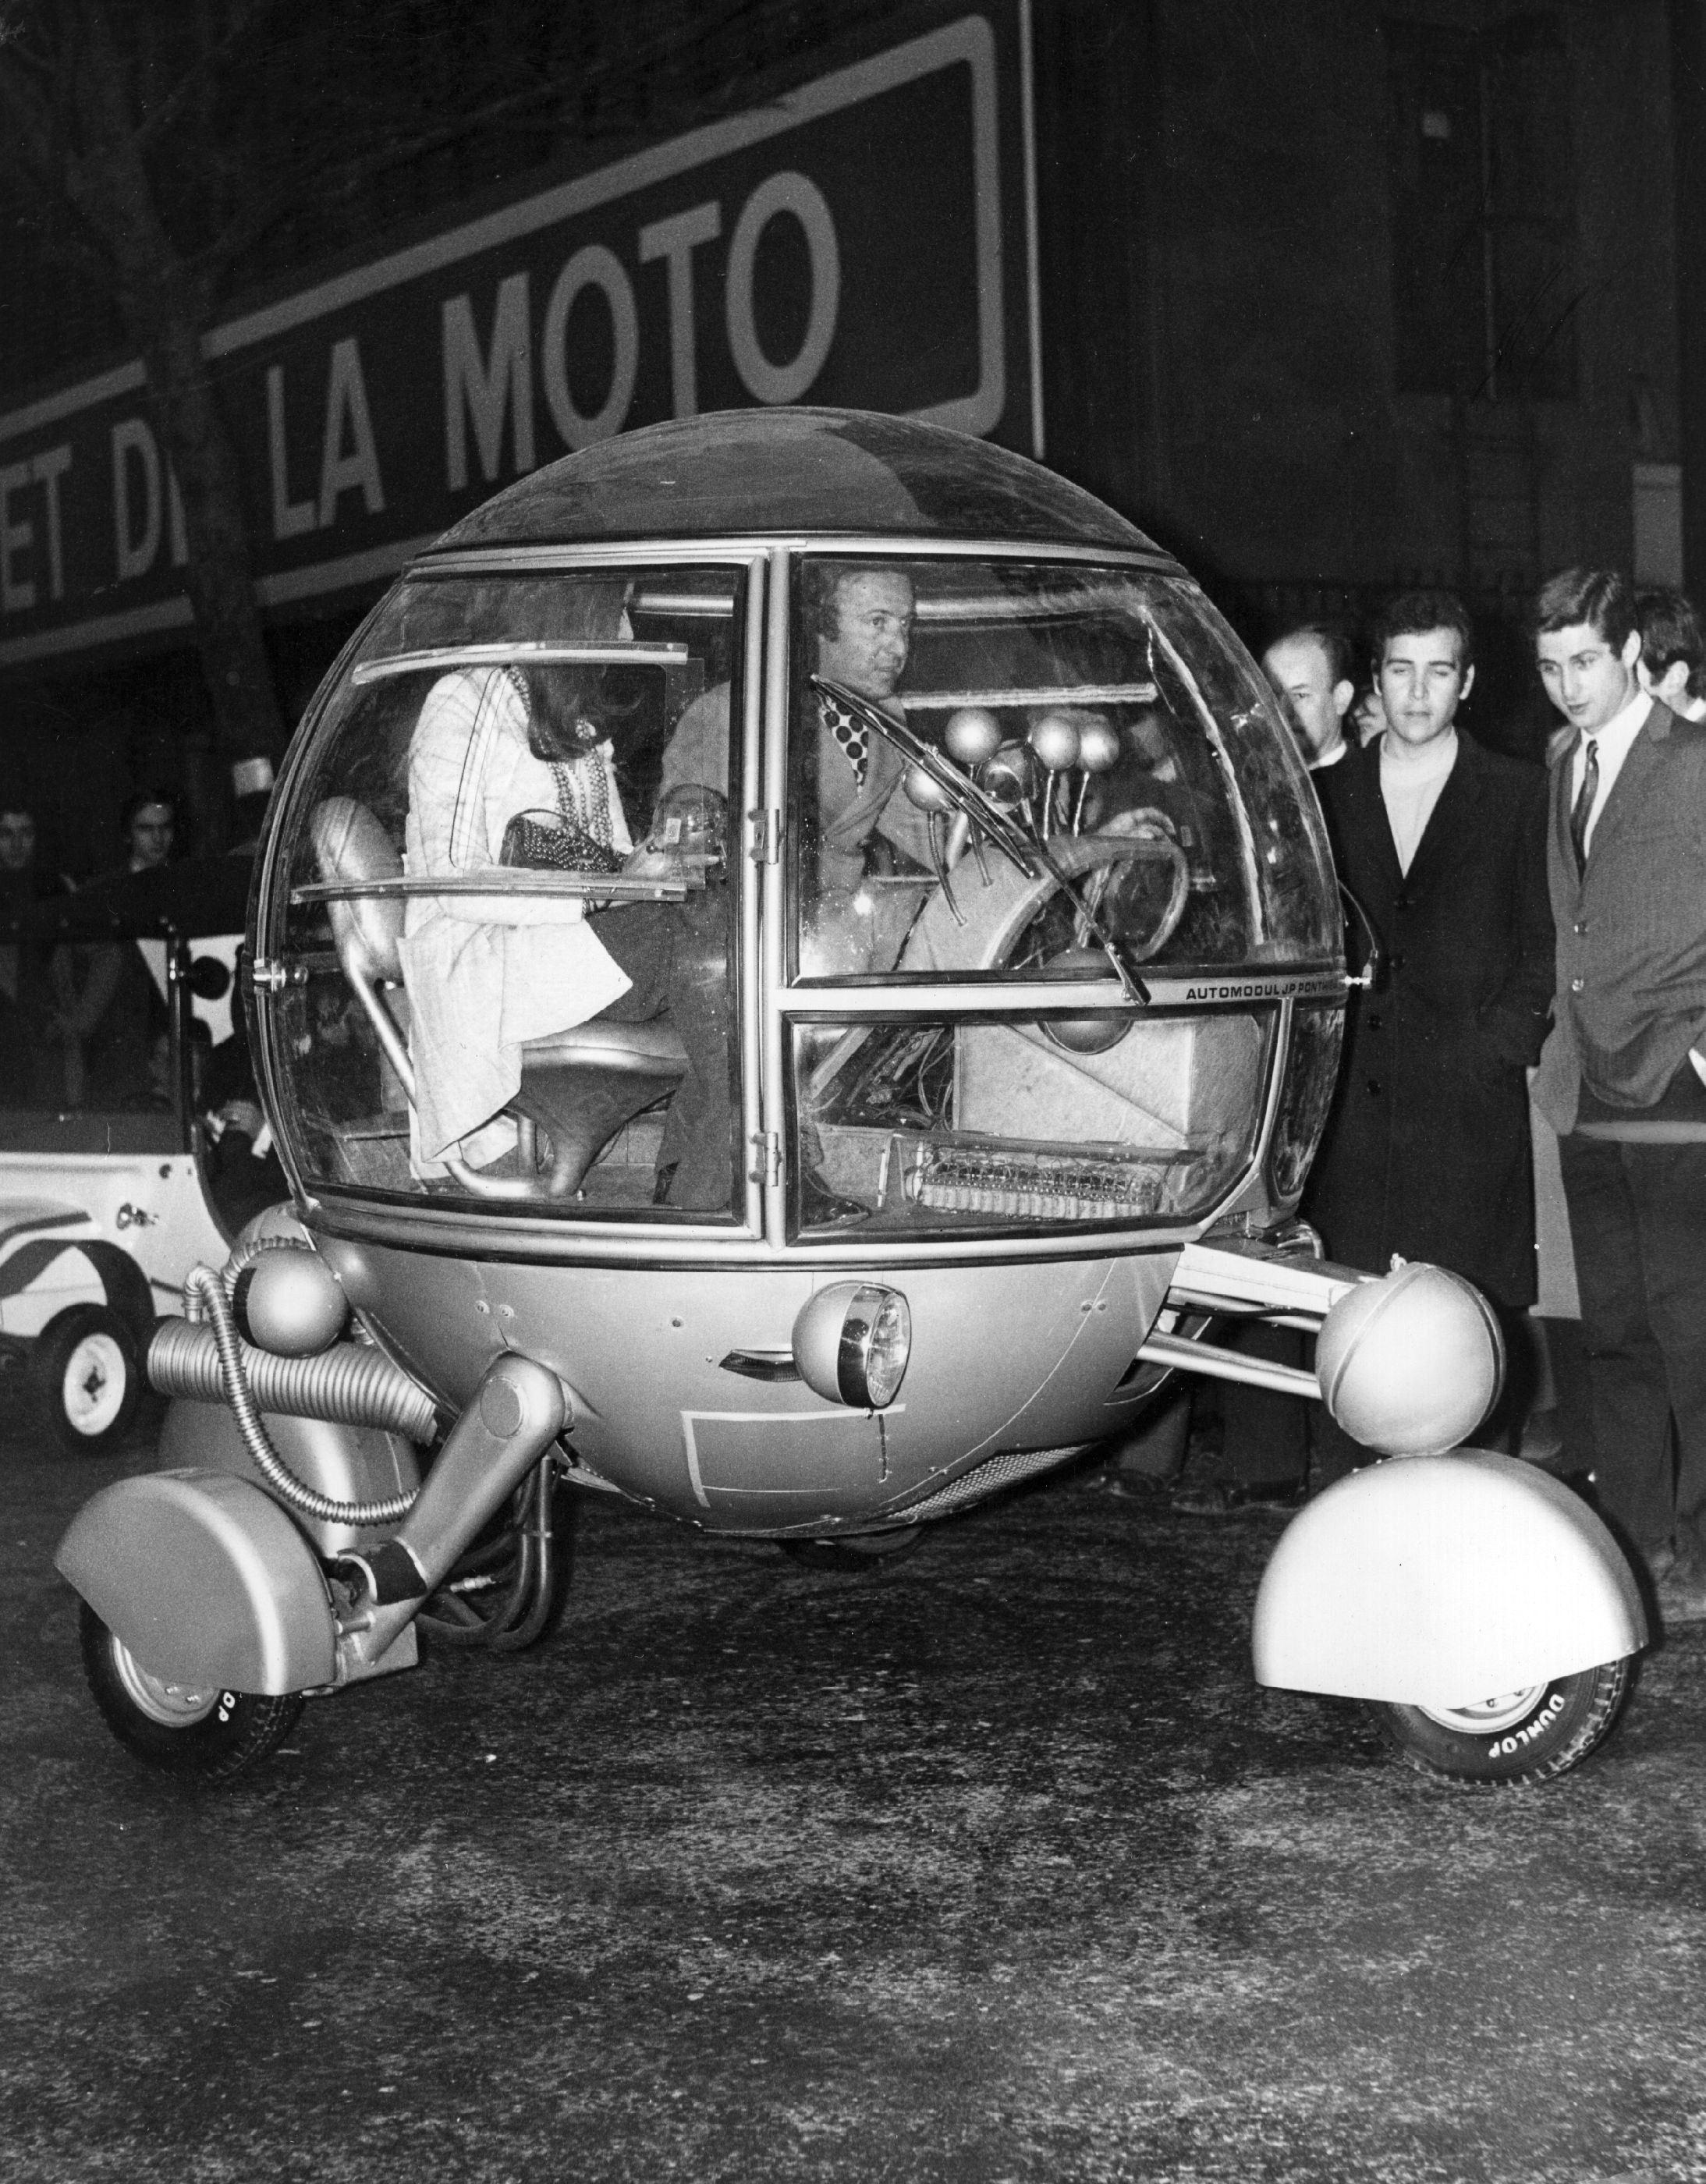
x: 858, y: 615
x: 1623, y: 1076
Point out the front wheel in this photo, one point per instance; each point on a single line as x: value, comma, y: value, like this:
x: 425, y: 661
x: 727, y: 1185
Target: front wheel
x: 88, y: 1378
x: 1517, y: 1737
x: 196, y: 1732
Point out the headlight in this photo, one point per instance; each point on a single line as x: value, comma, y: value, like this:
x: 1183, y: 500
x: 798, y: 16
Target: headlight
x: 851, y: 1343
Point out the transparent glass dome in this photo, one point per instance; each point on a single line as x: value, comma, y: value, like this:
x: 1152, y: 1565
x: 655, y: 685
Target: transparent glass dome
x: 830, y: 785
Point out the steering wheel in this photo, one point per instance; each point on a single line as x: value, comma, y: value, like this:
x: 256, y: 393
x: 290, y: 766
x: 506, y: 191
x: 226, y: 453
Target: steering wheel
x: 1138, y: 881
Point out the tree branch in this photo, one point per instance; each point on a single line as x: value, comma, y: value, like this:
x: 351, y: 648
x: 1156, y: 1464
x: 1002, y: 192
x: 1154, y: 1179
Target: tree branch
x: 249, y: 16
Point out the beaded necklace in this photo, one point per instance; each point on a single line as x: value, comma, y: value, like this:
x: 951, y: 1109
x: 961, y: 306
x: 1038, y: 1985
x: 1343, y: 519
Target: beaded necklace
x: 583, y: 795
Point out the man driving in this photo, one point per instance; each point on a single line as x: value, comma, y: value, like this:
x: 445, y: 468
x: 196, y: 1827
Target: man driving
x: 858, y: 617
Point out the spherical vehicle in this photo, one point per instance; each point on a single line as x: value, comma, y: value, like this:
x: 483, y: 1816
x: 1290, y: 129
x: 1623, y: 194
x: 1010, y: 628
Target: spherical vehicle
x: 797, y: 972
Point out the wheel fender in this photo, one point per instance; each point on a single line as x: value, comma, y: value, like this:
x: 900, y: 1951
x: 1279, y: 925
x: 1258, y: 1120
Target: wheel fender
x: 1436, y: 1580
x: 206, y: 1579
x: 127, y: 1286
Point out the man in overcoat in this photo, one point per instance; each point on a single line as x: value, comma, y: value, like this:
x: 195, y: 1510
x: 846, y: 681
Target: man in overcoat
x: 1442, y: 843
x: 1623, y: 1078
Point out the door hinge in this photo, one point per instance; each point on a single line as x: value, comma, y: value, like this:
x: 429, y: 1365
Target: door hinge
x: 766, y: 846
x: 766, y: 1147
x: 262, y: 976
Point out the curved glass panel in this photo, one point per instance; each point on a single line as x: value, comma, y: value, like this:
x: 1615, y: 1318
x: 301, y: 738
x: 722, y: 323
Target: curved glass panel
x: 1000, y: 767
x: 926, y: 1126
x: 737, y: 471
x: 509, y: 940
x: 1311, y: 1071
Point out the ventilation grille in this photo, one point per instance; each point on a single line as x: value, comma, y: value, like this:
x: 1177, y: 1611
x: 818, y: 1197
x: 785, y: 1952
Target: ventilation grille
x: 989, y: 1478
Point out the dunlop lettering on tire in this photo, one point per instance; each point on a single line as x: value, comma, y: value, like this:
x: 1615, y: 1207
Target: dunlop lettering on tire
x: 1537, y: 1733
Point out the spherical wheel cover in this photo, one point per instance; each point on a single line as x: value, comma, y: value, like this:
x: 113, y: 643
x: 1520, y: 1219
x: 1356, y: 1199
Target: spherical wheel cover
x: 94, y: 1384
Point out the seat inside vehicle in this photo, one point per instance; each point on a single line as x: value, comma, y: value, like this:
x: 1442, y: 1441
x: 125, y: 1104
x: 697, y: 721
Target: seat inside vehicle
x: 355, y: 852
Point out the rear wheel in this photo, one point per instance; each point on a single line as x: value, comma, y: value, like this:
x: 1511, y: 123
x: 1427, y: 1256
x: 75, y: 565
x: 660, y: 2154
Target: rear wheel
x: 197, y: 1732
x: 1515, y: 1737
x: 88, y: 1379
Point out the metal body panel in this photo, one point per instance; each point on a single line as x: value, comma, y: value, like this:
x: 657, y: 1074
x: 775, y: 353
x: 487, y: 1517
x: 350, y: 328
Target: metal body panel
x: 205, y: 1579
x: 150, y: 1205
x: 347, y: 1463
x: 1441, y: 1581
x: 1000, y: 1360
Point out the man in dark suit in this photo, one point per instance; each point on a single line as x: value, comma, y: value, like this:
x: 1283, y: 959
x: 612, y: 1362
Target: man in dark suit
x: 1442, y: 843
x: 1623, y: 1078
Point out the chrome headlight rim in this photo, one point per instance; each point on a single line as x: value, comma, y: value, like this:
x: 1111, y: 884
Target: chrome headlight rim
x: 853, y: 1342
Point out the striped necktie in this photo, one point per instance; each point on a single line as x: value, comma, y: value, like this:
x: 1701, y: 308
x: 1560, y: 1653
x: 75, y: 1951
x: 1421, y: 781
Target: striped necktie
x: 1582, y: 810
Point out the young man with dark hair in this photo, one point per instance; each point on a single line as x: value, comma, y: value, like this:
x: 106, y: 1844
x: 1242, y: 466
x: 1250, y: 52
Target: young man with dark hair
x: 1623, y: 1077
x: 1672, y: 651
x: 1442, y: 843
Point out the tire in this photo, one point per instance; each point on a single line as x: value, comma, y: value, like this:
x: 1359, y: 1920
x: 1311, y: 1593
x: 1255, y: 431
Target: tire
x: 207, y: 1736
x: 88, y: 1378
x: 1520, y: 1737
x: 859, y: 1553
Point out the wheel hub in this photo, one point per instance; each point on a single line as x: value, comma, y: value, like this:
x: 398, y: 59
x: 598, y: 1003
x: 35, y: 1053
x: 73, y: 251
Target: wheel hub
x: 1487, y: 1717
x: 94, y: 1384
x: 174, y: 1706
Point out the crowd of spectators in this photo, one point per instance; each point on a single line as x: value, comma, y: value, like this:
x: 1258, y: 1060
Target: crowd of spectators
x: 85, y: 1021
x: 1536, y: 1034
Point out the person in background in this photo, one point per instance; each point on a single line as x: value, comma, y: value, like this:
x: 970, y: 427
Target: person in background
x: 1623, y: 1077
x: 1672, y: 651
x: 1442, y: 843
x: 117, y: 1009
x: 1368, y: 715
x: 1310, y: 669
x: 32, y: 1058
x: 239, y: 1160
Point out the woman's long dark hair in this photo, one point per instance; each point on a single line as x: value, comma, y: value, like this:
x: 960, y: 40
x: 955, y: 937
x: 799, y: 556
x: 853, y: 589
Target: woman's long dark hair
x: 571, y: 709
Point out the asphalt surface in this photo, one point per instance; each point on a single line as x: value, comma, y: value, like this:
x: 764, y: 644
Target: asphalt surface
x: 990, y: 1864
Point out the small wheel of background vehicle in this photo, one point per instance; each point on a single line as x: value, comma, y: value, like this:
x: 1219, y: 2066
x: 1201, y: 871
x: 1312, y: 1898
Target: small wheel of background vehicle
x: 200, y: 1734
x: 88, y: 1378
x: 857, y: 1553
x: 1515, y: 1737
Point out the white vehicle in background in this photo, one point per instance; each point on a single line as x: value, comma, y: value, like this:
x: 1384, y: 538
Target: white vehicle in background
x: 104, y: 1212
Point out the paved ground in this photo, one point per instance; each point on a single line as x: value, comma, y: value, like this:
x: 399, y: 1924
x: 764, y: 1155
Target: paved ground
x: 990, y: 1865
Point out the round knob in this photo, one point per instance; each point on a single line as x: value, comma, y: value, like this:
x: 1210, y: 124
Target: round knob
x: 1054, y: 736
x: 1010, y: 776
x: 924, y: 790
x: 1098, y: 746
x: 972, y: 735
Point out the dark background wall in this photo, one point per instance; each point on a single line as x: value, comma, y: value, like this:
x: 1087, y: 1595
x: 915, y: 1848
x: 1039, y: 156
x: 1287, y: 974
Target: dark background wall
x: 1337, y: 297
